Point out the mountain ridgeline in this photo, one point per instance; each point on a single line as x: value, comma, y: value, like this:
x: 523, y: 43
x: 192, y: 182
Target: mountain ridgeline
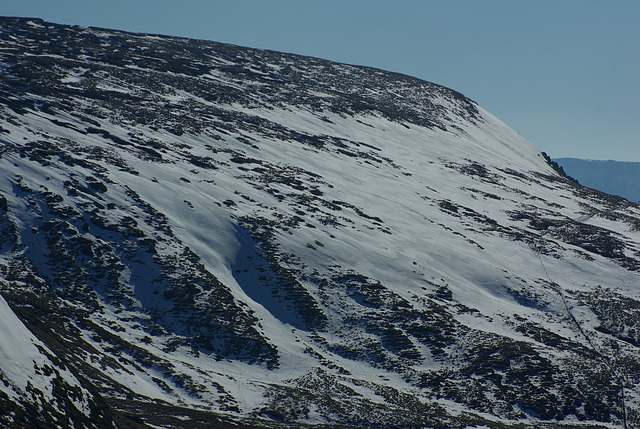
x: 201, y: 235
x: 613, y: 177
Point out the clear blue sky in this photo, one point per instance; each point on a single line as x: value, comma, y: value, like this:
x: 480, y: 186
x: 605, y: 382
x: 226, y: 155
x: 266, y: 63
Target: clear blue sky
x: 564, y: 74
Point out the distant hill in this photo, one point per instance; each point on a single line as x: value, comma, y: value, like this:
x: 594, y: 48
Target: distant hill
x: 613, y: 177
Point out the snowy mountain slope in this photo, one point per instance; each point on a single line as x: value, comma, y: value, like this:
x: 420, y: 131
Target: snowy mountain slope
x: 208, y: 234
x: 35, y: 381
x: 612, y: 177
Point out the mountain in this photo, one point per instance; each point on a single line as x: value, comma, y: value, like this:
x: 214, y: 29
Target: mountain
x: 200, y: 235
x: 613, y: 177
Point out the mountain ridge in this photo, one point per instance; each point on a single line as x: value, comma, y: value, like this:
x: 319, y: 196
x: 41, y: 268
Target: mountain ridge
x: 613, y: 177
x: 197, y: 229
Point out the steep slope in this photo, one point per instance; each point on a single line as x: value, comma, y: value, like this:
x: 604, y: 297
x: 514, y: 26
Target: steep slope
x: 205, y: 233
x: 612, y: 177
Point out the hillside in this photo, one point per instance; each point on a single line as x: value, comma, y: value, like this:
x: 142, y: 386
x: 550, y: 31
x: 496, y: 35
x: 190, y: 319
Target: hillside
x: 202, y: 235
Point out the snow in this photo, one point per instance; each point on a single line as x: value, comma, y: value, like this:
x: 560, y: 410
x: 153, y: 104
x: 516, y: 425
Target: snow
x: 417, y: 236
x: 35, y: 24
x: 392, y: 229
x: 19, y: 352
x: 23, y: 359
